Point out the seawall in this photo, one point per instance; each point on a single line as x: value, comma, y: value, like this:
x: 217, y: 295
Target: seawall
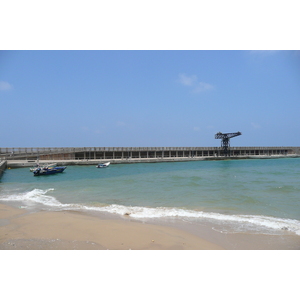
x: 83, y: 162
x: 3, y: 165
x: 123, y: 153
x: 24, y: 157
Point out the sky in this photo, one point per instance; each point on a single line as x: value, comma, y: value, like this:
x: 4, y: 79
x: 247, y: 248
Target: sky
x: 149, y: 74
x: 162, y: 98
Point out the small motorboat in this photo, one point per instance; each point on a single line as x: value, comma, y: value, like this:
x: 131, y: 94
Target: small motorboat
x: 105, y: 165
x: 48, y: 171
x: 43, y: 166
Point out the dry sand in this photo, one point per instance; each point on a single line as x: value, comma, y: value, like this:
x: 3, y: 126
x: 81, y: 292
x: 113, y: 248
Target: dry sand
x: 76, y: 230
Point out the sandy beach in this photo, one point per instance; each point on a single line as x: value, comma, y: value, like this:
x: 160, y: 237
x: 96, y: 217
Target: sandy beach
x: 67, y: 230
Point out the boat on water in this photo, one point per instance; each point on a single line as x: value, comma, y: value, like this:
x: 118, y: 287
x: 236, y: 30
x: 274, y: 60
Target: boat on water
x: 48, y: 171
x: 43, y: 166
x: 105, y: 165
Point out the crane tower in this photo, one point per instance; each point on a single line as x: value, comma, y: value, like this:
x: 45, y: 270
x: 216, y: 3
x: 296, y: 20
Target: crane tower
x: 225, y: 143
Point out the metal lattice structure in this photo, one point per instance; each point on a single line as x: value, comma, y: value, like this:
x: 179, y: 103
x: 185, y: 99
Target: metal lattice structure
x: 225, y: 143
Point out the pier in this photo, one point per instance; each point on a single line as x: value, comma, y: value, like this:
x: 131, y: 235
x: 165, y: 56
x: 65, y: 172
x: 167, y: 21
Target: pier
x: 3, y: 165
x: 93, y: 155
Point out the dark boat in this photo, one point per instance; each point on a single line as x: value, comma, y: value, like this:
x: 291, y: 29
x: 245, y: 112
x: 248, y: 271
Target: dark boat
x: 48, y: 171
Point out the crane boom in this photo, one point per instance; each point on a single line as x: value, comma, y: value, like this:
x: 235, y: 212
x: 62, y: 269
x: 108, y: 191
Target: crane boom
x: 225, y: 143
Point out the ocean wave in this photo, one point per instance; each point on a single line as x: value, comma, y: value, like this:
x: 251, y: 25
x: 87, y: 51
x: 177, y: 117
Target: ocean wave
x: 39, y: 196
x: 31, y: 197
x: 165, y: 212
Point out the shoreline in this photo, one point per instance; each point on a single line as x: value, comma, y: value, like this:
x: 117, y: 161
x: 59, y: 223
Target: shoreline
x: 22, y: 229
x: 67, y: 230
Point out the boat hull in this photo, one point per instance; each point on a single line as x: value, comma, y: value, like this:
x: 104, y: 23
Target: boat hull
x: 103, y: 165
x: 43, y: 166
x: 40, y: 172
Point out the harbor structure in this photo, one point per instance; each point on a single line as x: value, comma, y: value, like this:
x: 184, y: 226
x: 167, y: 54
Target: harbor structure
x: 225, y: 143
x: 152, y: 153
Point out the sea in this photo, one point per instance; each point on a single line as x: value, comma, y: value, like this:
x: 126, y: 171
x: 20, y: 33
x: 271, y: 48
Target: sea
x: 247, y: 195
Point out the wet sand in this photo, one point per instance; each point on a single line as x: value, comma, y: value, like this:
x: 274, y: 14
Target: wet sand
x: 20, y: 229
x: 67, y: 230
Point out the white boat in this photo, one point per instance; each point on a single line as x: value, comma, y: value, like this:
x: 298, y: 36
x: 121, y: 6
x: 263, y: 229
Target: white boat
x: 105, y: 165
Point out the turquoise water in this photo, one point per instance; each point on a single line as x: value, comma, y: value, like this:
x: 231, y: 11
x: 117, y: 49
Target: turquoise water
x: 260, y: 193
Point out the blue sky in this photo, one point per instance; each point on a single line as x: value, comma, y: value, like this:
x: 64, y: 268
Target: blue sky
x: 149, y: 98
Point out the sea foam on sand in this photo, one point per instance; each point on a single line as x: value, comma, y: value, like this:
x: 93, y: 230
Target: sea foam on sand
x: 237, y: 223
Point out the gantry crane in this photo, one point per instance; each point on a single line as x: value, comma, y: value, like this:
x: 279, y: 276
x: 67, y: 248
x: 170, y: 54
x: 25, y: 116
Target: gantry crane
x: 225, y: 143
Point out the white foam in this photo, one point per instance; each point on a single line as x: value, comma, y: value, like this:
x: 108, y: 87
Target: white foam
x: 162, y: 212
x: 34, y: 196
x: 40, y: 197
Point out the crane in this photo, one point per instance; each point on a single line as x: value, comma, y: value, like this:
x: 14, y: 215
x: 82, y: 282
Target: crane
x: 225, y: 143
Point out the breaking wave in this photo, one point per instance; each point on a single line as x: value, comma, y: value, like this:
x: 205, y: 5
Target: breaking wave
x: 39, y: 196
x: 31, y: 197
x: 165, y: 212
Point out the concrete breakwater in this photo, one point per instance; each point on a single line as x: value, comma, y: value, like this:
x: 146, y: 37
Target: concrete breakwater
x: 3, y: 165
x: 83, y: 162
x: 24, y: 157
x: 126, y: 153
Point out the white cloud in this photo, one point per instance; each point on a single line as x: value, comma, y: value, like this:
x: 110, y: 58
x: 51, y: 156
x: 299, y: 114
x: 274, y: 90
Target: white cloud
x: 187, y: 80
x: 4, y: 86
x: 193, y: 82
